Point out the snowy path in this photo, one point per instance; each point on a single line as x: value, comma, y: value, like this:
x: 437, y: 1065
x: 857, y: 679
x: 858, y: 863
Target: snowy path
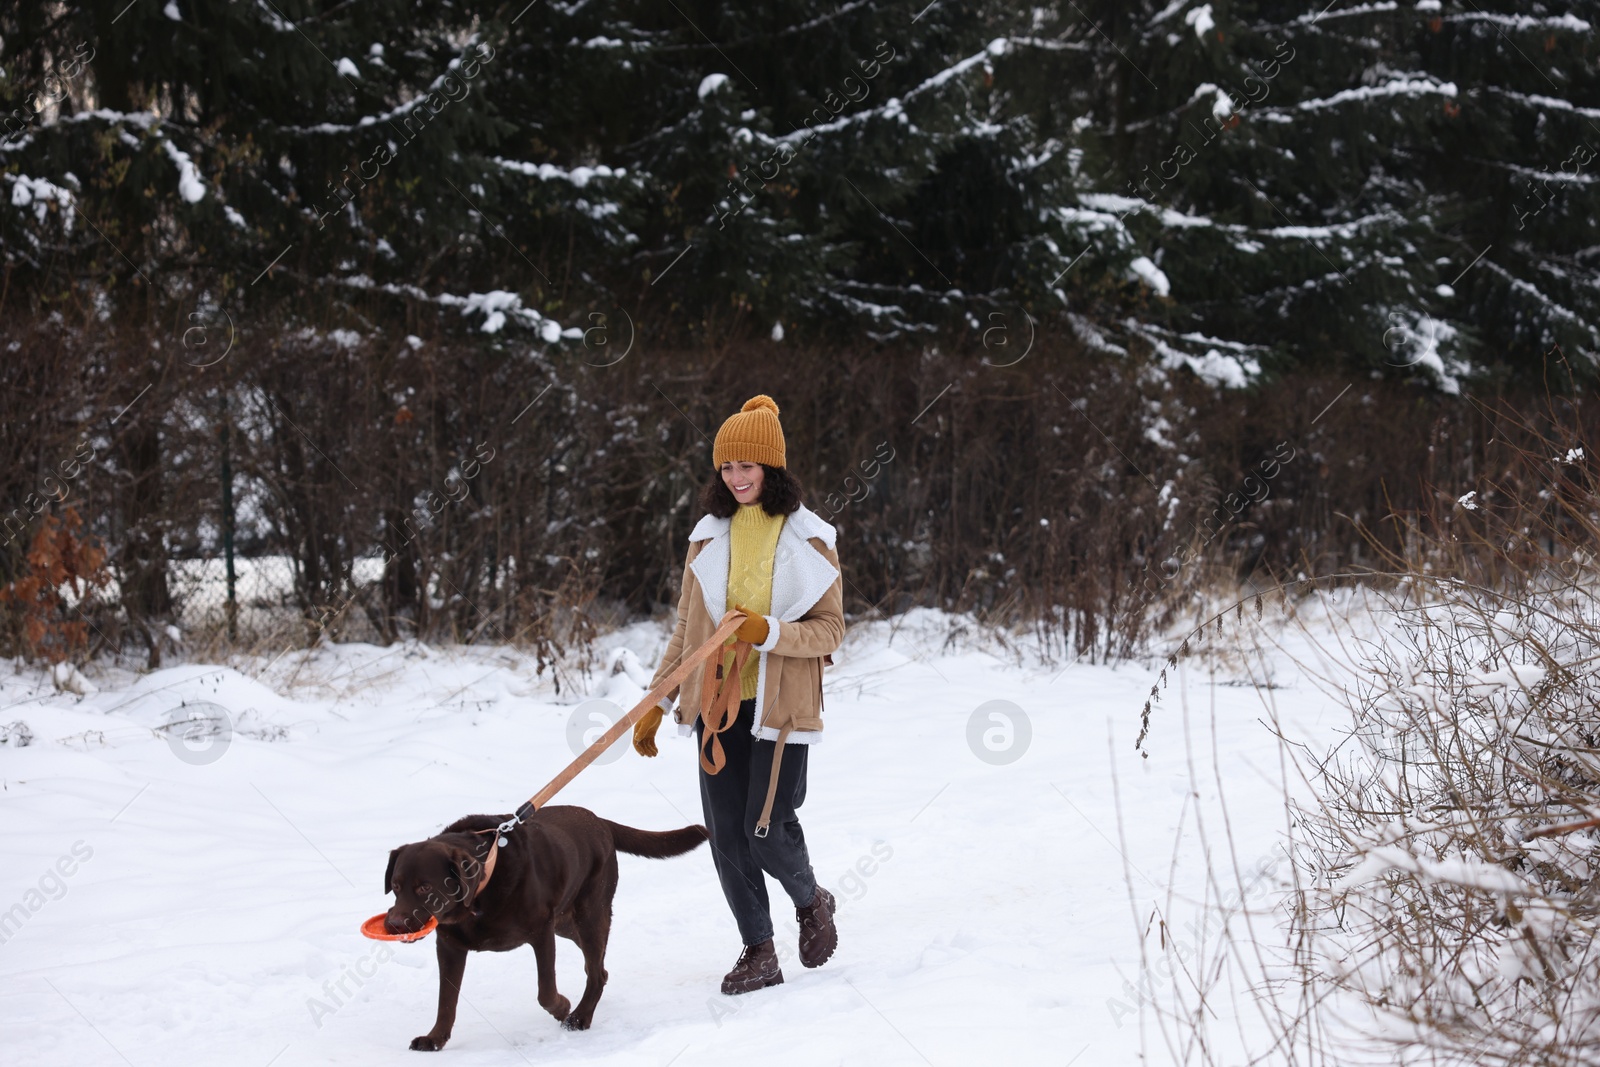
x: 210, y: 911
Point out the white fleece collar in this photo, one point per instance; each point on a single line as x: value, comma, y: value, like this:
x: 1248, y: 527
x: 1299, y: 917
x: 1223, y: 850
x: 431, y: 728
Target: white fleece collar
x: 800, y: 574
x: 804, y: 521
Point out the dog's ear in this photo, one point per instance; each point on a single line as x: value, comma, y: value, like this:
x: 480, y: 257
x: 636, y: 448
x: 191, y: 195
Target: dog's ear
x: 388, y: 874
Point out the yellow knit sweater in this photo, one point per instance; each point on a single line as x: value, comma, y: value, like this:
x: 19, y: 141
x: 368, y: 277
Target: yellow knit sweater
x: 754, y: 546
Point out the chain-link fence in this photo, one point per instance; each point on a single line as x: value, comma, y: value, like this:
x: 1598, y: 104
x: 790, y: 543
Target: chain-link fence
x: 259, y: 603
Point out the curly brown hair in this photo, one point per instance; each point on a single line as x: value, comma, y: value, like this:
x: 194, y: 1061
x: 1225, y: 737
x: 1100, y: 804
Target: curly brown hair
x: 781, y: 494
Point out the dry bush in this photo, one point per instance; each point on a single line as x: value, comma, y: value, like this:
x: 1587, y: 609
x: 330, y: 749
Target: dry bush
x: 47, y: 601
x: 1443, y: 900
x: 1432, y: 900
x: 1085, y: 499
x: 1454, y: 846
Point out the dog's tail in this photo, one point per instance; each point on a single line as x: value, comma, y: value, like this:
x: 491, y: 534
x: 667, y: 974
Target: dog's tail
x: 656, y: 844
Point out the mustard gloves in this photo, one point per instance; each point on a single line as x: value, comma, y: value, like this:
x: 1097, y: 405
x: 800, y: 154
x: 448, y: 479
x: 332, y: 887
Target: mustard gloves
x: 644, y: 731
x: 754, y: 628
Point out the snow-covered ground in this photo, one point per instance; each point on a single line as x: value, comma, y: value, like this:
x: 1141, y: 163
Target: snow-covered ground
x: 198, y: 902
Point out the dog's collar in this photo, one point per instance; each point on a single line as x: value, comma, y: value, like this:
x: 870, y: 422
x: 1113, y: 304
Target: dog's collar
x: 500, y: 838
x: 488, y: 865
x: 488, y: 861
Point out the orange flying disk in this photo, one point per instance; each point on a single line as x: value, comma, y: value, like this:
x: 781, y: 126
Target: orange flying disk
x: 373, y: 928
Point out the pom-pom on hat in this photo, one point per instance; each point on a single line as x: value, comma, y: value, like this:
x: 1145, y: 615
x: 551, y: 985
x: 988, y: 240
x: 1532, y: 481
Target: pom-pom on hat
x: 752, y: 436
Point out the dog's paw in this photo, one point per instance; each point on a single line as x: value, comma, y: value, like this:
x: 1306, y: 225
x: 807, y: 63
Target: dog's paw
x: 427, y: 1043
x: 561, y: 1007
x: 575, y: 1022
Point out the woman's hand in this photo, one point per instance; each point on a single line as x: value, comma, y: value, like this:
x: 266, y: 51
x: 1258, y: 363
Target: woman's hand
x: 754, y: 628
x: 644, y: 731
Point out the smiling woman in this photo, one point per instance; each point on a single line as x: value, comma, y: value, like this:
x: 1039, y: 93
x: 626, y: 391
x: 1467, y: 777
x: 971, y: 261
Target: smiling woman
x: 760, y: 551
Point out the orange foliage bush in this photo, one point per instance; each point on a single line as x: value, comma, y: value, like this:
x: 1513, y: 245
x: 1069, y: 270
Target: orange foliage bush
x: 57, y: 559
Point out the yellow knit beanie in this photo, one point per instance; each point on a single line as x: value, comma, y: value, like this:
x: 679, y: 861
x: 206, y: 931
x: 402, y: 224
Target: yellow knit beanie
x: 752, y: 436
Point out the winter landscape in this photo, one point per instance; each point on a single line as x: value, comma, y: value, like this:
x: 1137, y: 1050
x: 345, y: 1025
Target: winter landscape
x: 1070, y: 527
x: 993, y: 889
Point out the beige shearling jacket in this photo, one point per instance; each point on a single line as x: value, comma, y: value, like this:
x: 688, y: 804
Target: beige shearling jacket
x: 805, y: 627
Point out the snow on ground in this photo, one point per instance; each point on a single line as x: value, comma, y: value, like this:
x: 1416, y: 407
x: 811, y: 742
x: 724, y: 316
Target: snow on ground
x: 171, y: 902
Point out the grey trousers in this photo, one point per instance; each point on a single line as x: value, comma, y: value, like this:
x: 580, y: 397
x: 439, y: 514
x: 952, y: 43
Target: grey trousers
x: 732, y: 801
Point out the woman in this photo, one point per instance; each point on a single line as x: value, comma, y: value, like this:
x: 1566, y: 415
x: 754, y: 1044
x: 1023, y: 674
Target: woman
x: 761, y: 552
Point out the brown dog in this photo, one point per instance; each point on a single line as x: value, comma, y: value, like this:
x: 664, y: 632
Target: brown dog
x: 556, y: 874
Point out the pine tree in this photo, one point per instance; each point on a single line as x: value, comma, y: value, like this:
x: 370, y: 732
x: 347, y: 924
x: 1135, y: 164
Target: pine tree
x: 1302, y: 183
x: 1229, y: 186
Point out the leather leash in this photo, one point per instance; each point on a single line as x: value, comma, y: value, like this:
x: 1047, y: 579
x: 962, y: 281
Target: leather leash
x: 724, y: 685
x: 718, y: 686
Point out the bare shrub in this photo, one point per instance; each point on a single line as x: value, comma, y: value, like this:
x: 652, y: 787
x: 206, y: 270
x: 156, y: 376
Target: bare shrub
x: 1434, y: 899
x: 1443, y: 900
x: 64, y: 572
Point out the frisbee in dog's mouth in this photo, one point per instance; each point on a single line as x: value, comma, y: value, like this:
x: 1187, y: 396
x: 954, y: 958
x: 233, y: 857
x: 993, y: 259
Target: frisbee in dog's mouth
x: 373, y: 928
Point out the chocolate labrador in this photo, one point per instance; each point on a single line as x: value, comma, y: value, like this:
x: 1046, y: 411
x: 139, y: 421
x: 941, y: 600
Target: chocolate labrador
x: 556, y: 874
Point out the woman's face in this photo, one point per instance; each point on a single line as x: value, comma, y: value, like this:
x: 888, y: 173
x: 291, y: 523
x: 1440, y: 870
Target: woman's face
x: 743, y: 480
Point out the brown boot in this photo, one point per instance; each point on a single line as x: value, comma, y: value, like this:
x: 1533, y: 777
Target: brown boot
x: 818, y: 936
x: 757, y: 968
